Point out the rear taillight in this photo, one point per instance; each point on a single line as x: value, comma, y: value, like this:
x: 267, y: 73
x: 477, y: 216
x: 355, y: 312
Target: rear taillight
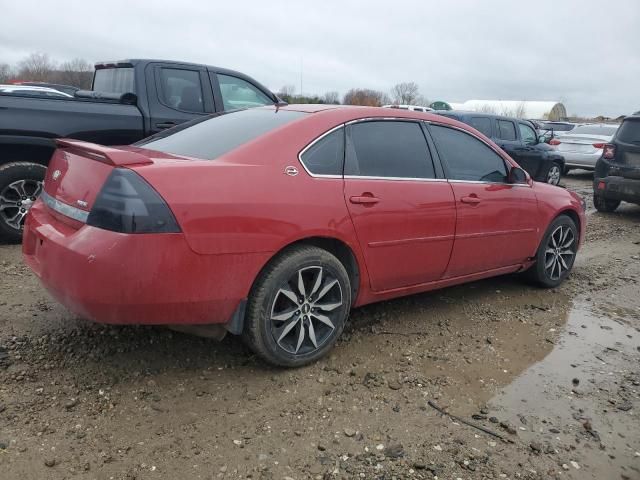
x: 599, y: 145
x: 554, y: 141
x: 609, y: 151
x: 128, y: 204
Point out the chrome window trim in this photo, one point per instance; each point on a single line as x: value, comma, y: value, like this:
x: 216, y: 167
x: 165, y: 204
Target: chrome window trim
x: 311, y: 144
x: 491, y: 183
x: 64, y: 209
x: 415, y: 179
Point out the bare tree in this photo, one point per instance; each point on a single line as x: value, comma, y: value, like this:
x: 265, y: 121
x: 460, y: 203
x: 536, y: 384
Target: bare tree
x: 406, y: 93
x: 6, y: 72
x: 287, y: 92
x: 366, y: 97
x: 36, y: 67
x: 331, y: 98
x: 77, y: 72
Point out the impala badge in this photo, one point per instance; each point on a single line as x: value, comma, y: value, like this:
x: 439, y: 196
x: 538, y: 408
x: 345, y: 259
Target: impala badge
x: 291, y: 171
x: 56, y: 175
x: 82, y: 203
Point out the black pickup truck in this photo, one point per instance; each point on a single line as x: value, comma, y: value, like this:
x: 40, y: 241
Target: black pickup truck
x: 130, y: 100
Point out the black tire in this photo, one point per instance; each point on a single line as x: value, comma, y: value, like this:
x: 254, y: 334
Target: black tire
x: 266, y: 297
x: 13, y: 205
x: 553, y: 173
x: 605, y: 205
x: 539, y: 272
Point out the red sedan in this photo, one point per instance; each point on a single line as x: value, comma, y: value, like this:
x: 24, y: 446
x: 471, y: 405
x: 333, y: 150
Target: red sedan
x: 274, y: 222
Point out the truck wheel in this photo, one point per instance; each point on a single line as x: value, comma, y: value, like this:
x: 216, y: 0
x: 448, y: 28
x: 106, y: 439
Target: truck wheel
x: 604, y: 205
x: 20, y: 185
x: 554, y: 173
x: 298, y: 307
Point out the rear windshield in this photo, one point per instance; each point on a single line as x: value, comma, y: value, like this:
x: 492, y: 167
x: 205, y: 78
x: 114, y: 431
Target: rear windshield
x: 210, y: 137
x: 558, y: 127
x: 114, y: 80
x: 595, y: 130
x: 629, y: 131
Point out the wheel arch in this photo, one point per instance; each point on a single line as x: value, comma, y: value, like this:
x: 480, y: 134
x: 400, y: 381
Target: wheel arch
x: 573, y: 215
x: 27, y: 149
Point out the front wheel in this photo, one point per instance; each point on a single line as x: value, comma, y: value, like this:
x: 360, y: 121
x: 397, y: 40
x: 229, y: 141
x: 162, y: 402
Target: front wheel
x: 554, y: 173
x: 298, y: 307
x: 556, y: 253
x: 20, y: 185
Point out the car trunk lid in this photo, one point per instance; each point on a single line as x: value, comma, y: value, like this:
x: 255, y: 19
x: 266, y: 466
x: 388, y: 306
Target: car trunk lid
x: 77, y: 172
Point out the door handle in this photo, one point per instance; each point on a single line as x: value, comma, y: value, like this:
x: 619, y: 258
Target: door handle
x: 164, y: 125
x: 473, y: 200
x: 364, y: 199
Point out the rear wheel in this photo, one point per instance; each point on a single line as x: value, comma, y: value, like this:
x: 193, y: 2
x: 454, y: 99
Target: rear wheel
x: 20, y: 185
x: 556, y: 253
x: 605, y: 205
x: 554, y: 173
x: 298, y: 307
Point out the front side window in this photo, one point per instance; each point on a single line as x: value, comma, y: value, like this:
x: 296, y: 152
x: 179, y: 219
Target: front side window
x: 528, y: 135
x: 388, y: 149
x: 325, y: 156
x: 181, y: 89
x: 210, y: 137
x: 466, y: 157
x: 237, y: 93
x: 507, y: 130
x: 482, y: 124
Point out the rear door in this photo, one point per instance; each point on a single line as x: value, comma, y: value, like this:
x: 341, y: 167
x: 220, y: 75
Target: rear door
x: 403, y: 214
x: 529, y: 157
x: 496, y: 221
x: 177, y: 94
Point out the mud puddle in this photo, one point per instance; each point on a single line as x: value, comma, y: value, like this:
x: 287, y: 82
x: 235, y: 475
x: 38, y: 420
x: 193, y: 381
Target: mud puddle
x: 582, y: 398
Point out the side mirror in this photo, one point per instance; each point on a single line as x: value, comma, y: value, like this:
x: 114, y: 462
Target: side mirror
x: 517, y: 175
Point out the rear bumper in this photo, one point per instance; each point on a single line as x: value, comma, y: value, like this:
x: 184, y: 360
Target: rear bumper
x: 618, y: 188
x: 117, y: 278
x: 581, y: 160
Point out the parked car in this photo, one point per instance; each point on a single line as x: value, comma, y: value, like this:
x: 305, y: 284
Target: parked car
x: 413, y: 108
x: 273, y: 222
x: 32, y: 91
x: 582, y: 147
x: 131, y: 99
x: 519, y: 139
x: 617, y: 173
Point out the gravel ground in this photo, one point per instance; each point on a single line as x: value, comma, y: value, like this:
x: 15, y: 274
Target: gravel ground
x: 535, y: 384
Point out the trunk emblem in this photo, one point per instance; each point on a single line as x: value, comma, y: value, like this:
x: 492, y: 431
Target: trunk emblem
x: 291, y: 171
x: 82, y: 203
x: 56, y: 174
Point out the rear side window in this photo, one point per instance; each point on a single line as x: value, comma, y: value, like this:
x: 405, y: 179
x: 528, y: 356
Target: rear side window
x: 507, y: 130
x: 237, y: 93
x: 325, y: 156
x: 388, y: 149
x: 466, y: 157
x: 181, y: 89
x: 210, y: 137
x: 629, y: 131
x: 482, y: 124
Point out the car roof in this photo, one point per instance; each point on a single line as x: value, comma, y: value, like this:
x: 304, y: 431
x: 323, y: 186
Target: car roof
x: 466, y: 114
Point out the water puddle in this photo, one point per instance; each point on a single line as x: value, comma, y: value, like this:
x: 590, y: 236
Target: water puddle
x: 580, y: 403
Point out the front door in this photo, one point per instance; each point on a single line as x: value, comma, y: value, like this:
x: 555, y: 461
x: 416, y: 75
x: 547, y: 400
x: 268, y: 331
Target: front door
x: 403, y: 215
x: 496, y: 221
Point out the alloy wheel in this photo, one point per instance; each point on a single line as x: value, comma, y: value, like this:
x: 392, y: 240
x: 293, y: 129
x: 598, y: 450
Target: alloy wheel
x: 553, y: 176
x: 16, y: 199
x: 306, y: 310
x: 560, y: 251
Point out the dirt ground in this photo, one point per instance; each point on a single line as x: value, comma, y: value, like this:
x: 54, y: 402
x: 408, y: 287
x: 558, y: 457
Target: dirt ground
x: 552, y: 376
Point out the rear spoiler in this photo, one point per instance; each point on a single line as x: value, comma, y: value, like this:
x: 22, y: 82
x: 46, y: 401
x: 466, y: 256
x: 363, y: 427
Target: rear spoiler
x: 111, y: 156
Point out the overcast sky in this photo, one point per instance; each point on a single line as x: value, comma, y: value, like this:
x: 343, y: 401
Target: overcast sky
x: 583, y: 53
